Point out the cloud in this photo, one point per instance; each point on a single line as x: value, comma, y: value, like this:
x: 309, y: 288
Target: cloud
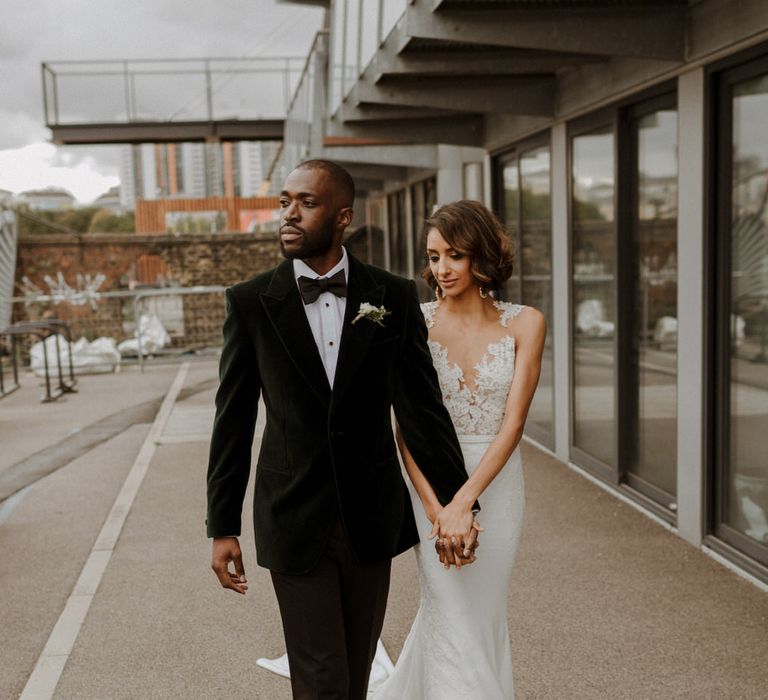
x: 20, y: 128
x: 42, y: 165
x: 52, y: 30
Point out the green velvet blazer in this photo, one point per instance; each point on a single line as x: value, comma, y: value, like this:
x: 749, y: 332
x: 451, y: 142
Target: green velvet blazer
x: 326, y: 452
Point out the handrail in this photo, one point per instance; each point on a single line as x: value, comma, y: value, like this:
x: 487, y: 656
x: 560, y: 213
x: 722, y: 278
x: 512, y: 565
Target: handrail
x: 129, y: 72
x: 305, y: 69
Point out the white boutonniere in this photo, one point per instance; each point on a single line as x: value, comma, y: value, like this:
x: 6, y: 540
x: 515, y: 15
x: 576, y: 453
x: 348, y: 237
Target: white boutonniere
x: 372, y: 313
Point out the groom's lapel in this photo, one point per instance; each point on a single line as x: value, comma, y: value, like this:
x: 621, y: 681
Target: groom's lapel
x: 284, y: 307
x: 356, y: 338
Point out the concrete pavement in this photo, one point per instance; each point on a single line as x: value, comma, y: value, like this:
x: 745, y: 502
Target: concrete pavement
x: 604, y: 602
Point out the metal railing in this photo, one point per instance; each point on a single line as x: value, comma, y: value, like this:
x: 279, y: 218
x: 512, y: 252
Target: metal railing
x: 167, y: 90
x: 358, y: 29
x: 192, y: 316
x: 305, y: 117
x: 8, y: 236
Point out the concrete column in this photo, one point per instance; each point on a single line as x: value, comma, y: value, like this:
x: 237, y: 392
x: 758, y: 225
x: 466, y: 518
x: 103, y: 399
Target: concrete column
x: 450, y: 170
x: 473, y: 181
x: 319, y: 96
x: 691, y: 251
x: 450, y: 175
x: 561, y: 321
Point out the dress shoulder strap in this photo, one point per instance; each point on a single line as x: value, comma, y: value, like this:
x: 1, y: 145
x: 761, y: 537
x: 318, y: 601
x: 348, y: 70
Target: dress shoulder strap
x: 507, y: 311
x: 428, y: 310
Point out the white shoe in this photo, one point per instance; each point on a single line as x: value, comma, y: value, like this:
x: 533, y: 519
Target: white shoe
x: 380, y: 670
x: 278, y: 665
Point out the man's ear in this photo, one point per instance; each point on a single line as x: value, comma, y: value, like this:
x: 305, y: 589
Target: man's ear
x: 345, y: 217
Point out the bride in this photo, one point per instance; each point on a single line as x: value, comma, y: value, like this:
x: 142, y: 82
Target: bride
x: 488, y: 357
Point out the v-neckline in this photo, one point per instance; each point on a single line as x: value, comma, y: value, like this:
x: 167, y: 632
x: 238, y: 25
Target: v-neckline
x: 484, y: 359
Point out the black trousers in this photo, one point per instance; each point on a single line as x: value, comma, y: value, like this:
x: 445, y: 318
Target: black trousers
x: 332, y: 618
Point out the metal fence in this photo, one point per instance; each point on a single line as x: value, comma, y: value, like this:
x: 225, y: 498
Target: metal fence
x: 192, y: 317
x: 8, y: 235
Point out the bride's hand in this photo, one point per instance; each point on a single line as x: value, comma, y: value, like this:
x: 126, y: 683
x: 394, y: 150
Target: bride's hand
x: 457, y: 528
x: 432, y: 511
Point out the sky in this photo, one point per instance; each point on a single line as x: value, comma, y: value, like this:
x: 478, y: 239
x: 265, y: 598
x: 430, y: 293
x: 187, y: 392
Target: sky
x: 34, y: 31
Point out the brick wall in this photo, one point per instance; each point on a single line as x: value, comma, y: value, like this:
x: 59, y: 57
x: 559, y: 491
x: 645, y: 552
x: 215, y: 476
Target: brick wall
x: 218, y: 259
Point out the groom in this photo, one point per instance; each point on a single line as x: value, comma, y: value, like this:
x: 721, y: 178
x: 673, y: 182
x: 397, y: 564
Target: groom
x: 330, y: 507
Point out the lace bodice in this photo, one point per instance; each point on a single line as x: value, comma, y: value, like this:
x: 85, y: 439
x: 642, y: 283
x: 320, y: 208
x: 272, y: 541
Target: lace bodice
x: 478, y: 409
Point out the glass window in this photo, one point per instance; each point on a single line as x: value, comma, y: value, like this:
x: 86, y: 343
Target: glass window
x: 423, y: 198
x: 746, y: 323
x: 398, y: 244
x: 594, y: 292
x: 525, y: 206
x: 510, y: 177
x: 535, y: 263
x: 377, y: 213
x: 652, y: 388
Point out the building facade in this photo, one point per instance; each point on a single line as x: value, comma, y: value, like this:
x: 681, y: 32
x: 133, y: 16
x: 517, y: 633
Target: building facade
x: 625, y: 146
x: 197, y: 170
x: 47, y: 199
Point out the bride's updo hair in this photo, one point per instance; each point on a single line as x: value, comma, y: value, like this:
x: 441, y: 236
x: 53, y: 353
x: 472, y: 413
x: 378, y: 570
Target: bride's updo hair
x: 475, y: 231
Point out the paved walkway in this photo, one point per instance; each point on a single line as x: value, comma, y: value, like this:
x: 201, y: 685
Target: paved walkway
x: 604, y: 602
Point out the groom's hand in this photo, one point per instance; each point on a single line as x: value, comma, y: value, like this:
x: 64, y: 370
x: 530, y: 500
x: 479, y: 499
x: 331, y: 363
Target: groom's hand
x: 457, y: 529
x: 226, y: 550
x: 448, y: 554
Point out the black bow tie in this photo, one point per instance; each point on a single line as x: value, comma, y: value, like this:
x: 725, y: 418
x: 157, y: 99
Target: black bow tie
x: 311, y: 289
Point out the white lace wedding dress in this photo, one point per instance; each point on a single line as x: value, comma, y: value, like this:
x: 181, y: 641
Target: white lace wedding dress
x: 458, y: 647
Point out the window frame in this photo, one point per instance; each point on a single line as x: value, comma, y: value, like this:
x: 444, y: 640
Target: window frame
x: 500, y: 160
x: 722, y: 77
x: 619, y: 117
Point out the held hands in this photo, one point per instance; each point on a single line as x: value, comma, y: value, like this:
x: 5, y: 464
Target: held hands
x: 458, y: 531
x: 226, y: 550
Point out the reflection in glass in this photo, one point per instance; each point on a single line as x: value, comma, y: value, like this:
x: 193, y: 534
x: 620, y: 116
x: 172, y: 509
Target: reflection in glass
x: 535, y: 263
x: 511, y: 183
x: 376, y: 224
x: 747, y: 470
x: 398, y: 245
x: 594, y: 289
x: 654, y: 367
x: 423, y: 198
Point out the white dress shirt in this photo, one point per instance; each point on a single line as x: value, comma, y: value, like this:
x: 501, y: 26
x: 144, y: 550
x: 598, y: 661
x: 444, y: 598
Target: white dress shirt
x: 326, y: 315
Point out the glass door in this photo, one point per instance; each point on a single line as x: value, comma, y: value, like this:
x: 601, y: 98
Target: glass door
x: 593, y: 279
x: 525, y: 205
x: 398, y: 242
x: 648, y: 342
x: 741, y: 349
x: 423, y: 200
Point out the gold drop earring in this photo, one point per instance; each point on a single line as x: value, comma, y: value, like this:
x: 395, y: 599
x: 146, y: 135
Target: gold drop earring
x: 483, y: 293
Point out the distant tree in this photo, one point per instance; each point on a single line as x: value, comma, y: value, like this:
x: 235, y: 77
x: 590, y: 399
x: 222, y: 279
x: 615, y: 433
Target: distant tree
x: 106, y: 221
x: 40, y: 222
x: 75, y: 221
x: 586, y: 211
x: 78, y: 220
